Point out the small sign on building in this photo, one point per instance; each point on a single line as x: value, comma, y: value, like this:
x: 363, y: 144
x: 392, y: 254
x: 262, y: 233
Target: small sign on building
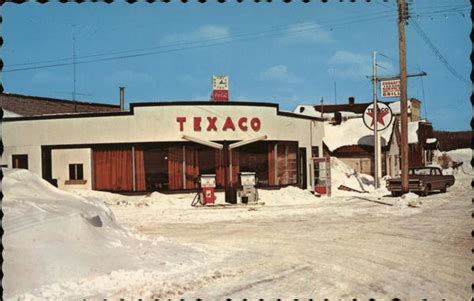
x: 390, y: 88
x: 220, y: 88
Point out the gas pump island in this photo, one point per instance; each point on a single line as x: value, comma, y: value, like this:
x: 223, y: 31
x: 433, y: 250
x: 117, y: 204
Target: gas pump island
x: 246, y: 194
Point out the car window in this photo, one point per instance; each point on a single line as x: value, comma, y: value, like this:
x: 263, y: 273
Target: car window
x: 420, y: 172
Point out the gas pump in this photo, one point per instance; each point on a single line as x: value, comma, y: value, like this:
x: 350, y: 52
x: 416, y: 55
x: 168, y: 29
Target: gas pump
x: 248, y: 192
x: 208, y: 186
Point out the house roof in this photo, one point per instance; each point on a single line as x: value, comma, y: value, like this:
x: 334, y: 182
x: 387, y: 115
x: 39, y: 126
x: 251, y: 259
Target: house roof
x: 24, y: 105
x: 353, y: 132
x: 357, y: 108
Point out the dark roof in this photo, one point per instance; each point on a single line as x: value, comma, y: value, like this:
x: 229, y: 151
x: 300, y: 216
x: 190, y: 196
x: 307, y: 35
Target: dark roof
x: 358, y: 108
x: 158, y: 104
x: 330, y: 108
x: 33, y: 105
x: 453, y: 140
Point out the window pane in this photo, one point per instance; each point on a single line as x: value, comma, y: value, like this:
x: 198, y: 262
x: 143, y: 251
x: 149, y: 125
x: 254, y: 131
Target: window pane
x: 72, y: 172
x: 254, y: 158
x: 156, y: 169
x: 80, y: 173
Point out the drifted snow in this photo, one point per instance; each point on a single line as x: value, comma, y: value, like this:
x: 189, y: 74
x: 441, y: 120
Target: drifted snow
x: 462, y: 155
x: 352, y: 132
x: 343, y: 174
x: 413, y: 132
x: 57, y: 244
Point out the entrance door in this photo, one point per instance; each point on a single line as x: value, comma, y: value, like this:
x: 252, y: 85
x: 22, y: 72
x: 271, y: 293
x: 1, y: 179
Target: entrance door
x: 302, y: 180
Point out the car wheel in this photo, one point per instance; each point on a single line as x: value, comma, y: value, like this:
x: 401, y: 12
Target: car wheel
x: 426, y: 190
x: 445, y: 188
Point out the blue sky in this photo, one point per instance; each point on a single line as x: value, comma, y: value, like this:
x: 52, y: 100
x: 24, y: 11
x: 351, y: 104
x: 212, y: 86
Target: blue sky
x: 288, y: 54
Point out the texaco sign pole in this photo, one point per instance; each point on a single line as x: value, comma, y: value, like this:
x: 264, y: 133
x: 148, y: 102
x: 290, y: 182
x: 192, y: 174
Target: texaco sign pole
x: 377, y: 116
x: 376, y: 134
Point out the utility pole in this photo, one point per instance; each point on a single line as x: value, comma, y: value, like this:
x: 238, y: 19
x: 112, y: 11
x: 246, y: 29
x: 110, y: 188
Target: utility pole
x: 402, y: 18
x: 376, y: 133
x: 322, y: 107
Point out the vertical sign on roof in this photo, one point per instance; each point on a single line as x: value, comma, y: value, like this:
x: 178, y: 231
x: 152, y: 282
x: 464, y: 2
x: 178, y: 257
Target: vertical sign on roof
x: 390, y: 88
x: 220, y: 88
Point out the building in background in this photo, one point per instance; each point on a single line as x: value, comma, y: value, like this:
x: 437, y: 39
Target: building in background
x: 348, y: 139
x: 351, y: 108
x: 16, y: 105
x: 448, y: 141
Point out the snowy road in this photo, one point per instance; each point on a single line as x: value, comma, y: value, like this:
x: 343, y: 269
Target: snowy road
x: 336, y: 248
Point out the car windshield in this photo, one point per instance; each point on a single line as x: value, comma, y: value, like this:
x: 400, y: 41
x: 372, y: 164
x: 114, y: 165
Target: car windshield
x: 420, y: 171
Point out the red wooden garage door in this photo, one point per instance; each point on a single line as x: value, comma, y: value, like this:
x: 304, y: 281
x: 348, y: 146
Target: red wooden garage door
x: 113, y: 170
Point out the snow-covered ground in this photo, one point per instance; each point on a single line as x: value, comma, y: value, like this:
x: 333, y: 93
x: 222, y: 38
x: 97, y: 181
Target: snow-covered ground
x: 59, y: 245
x: 99, y: 245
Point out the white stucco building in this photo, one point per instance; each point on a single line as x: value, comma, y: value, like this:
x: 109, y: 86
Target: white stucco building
x: 165, y: 146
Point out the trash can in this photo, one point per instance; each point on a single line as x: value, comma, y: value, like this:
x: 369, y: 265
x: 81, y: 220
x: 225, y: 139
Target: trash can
x: 231, y: 195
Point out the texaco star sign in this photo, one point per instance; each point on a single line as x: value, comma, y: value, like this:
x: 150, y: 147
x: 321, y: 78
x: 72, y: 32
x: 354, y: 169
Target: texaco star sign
x: 384, y: 116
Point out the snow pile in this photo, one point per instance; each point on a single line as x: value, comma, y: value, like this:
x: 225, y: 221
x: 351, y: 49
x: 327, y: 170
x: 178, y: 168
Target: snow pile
x: 462, y: 155
x: 155, y: 199
x: 353, y: 132
x: 342, y: 174
x: 286, y: 196
x: 9, y: 114
x: 53, y: 237
x: 408, y: 200
x: 413, y: 132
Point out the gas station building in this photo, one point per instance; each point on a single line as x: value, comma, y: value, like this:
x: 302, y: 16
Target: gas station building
x: 165, y: 146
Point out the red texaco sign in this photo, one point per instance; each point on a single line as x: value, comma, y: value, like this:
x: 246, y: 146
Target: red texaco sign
x: 384, y: 116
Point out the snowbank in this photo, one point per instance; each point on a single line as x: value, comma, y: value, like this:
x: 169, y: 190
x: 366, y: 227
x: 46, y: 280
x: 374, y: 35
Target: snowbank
x: 287, y: 196
x: 408, y: 200
x: 462, y: 155
x: 413, y: 132
x: 353, y: 132
x: 53, y: 237
x: 154, y: 199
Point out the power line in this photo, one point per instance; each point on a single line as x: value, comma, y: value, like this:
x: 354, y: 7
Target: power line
x: 291, y: 30
x: 252, y: 34
x: 438, y: 54
x: 218, y: 41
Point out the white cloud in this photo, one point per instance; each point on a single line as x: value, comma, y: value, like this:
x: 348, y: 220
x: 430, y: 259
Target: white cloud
x: 204, y: 32
x: 349, y: 65
x: 279, y: 73
x: 124, y: 77
x: 307, y: 32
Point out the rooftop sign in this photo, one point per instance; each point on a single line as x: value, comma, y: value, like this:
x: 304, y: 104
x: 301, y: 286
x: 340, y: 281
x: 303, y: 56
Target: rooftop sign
x: 390, y: 88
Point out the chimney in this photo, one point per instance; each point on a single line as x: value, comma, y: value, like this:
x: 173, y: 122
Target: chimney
x: 122, y: 99
x: 351, y: 100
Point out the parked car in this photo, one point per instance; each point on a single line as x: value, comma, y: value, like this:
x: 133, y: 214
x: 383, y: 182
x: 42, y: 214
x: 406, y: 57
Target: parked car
x: 422, y: 180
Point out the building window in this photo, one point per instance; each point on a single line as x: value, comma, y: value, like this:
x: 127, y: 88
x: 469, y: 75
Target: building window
x: 20, y: 161
x: 76, y: 172
x: 315, y: 151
